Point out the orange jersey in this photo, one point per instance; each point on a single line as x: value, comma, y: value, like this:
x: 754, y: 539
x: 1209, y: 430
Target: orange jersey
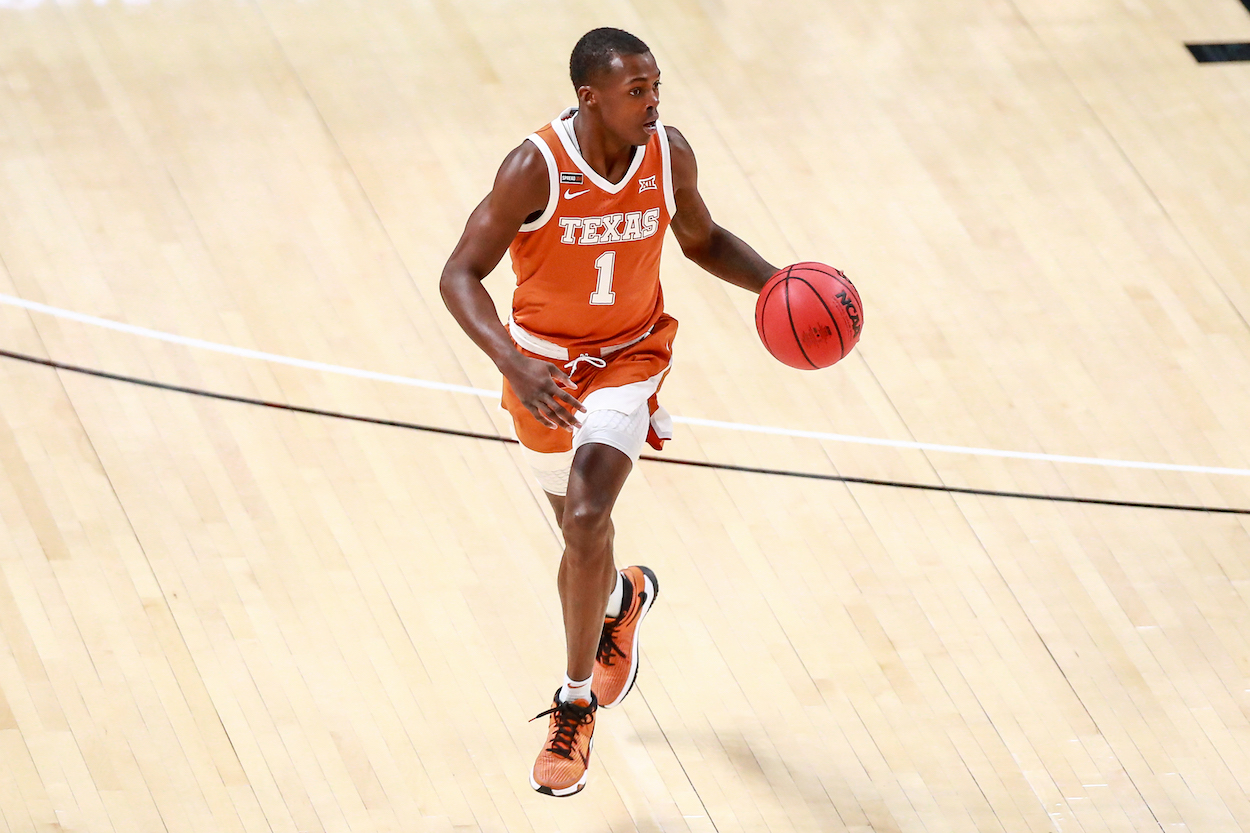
x: 588, y: 268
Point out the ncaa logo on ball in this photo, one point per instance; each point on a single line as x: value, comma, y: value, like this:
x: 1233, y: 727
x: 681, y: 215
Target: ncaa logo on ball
x: 851, y: 311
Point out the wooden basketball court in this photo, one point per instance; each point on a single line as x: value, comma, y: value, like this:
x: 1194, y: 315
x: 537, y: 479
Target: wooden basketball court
x: 219, y: 616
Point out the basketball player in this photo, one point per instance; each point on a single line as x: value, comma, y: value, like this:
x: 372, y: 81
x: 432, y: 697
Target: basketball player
x: 582, y: 205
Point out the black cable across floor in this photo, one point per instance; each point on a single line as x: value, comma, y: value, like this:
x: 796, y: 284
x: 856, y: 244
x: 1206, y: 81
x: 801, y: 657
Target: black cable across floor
x: 452, y: 432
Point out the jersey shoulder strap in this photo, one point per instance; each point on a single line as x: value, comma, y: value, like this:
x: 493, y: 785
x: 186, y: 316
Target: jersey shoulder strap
x: 553, y: 180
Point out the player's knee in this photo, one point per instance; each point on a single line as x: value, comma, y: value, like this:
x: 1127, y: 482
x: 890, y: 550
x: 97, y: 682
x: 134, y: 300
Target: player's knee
x: 587, y: 526
x: 587, y: 521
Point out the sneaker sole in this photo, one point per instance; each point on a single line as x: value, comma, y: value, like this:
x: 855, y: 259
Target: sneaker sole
x: 566, y: 791
x: 653, y: 586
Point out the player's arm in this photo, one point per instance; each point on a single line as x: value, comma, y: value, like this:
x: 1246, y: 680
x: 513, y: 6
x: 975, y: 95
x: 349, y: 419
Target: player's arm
x: 520, y: 189
x: 707, y: 244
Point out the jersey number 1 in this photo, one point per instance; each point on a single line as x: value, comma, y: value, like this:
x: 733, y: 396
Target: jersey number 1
x: 603, y: 295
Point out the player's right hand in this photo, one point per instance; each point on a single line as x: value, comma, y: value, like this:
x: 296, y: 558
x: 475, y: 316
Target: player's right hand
x: 541, y: 388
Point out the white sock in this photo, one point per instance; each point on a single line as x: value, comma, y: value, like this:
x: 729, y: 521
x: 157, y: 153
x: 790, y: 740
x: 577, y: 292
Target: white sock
x: 617, y: 597
x: 575, y: 689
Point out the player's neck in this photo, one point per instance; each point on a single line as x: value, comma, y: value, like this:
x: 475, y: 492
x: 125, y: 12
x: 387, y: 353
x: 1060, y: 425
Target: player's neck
x: 609, y: 157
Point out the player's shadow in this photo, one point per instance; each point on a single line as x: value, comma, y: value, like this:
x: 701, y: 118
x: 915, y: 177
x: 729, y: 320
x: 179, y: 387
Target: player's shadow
x: 760, y: 765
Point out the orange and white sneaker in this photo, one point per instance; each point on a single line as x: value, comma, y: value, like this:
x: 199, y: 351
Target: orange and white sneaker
x: 561, y: 767
x: 616, y: 663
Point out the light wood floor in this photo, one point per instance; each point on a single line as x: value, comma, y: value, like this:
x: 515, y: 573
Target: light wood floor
x: 220, y: 617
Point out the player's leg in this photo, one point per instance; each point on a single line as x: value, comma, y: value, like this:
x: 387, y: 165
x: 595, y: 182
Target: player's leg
x: 552, y: 472
x: 557, y: 505
x: 597, y: 474
x: 587, y: 569
x: 561, y: 766
x: 605, y: 447
x: 592, y: 495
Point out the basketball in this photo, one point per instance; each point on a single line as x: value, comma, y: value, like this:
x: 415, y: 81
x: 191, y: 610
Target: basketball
x: 809, y: 316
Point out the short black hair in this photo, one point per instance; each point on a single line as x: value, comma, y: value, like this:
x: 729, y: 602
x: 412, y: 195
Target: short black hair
x: 594, y: 52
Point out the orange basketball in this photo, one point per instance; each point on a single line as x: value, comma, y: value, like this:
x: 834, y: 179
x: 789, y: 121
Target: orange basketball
x: 809, y: 315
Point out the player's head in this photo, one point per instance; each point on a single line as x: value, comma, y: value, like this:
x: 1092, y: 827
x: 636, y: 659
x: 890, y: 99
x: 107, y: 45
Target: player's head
x: 618, y: 82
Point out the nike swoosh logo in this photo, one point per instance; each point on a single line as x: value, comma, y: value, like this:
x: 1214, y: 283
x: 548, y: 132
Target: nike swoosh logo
x: 568, y: 195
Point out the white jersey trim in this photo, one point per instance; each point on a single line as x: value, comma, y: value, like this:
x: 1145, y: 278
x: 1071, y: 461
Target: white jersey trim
x: 666, y: 155
x: 553, y: 185
x: 564, y: 126
x: 550, y: 350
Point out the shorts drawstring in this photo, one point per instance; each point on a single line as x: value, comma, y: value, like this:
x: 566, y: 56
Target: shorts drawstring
x: 593, y: 361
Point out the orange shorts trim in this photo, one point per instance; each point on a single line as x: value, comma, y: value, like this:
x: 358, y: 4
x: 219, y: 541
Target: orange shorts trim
x: 637, y: 363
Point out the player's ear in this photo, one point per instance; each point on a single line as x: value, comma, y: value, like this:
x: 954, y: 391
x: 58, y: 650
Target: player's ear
x: 586, y: 95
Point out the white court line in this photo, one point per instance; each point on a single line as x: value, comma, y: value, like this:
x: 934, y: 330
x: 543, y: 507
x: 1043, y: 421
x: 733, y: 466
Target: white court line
x: 275, y: 358
x: 35, y: 306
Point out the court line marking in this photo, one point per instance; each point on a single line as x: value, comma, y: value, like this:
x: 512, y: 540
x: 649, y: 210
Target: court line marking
x: 275, y: 358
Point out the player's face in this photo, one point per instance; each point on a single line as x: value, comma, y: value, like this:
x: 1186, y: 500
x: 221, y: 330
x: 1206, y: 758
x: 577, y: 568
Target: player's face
x: 628, y: 97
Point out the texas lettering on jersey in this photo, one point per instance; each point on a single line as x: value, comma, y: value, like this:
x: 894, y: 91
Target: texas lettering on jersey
x: 613, y: 228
